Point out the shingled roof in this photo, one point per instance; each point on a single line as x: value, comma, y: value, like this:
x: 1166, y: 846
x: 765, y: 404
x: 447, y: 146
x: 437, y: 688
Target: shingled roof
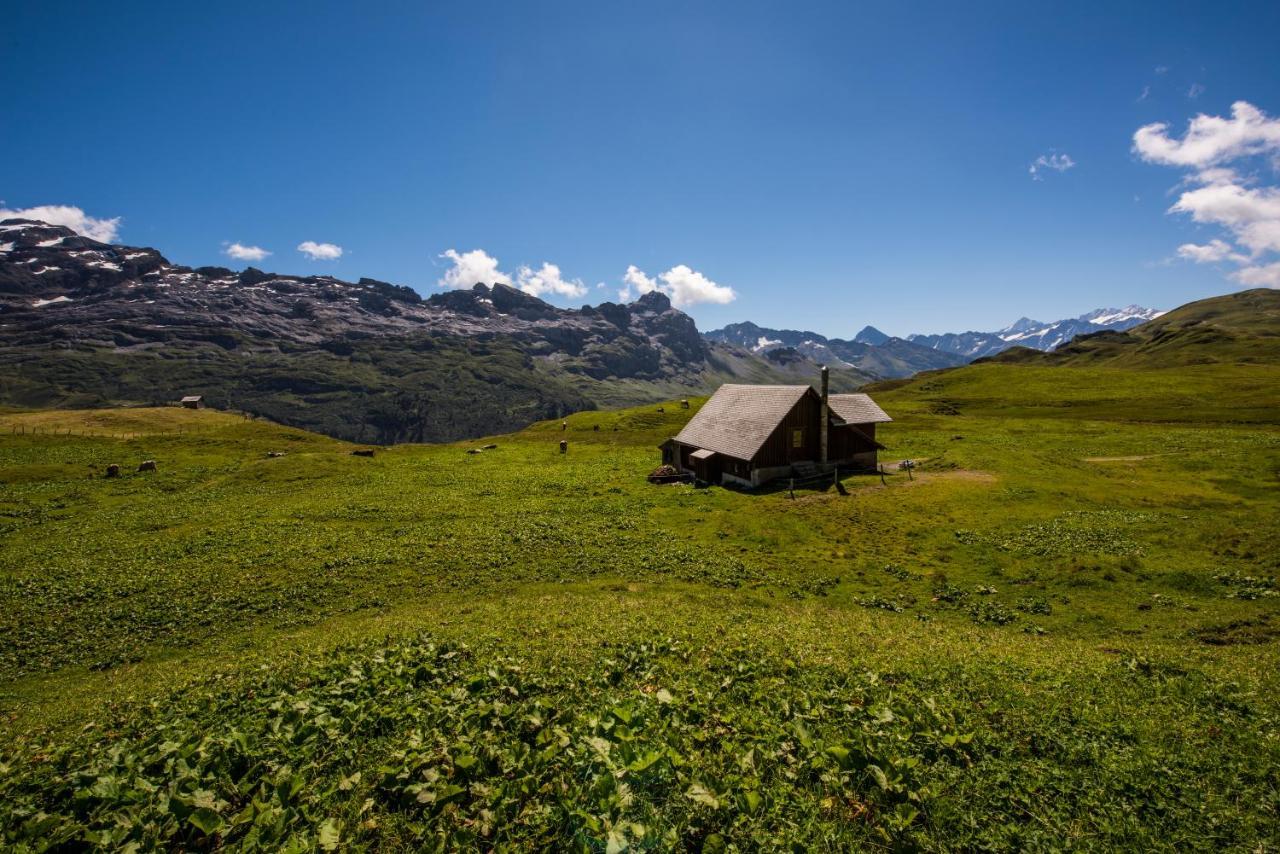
x: 857, y: 409
x: 737, y: 419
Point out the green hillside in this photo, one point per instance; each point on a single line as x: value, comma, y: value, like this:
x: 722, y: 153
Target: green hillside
x: 383, y: 390
x: 1243, y: 327
x: 1060, y: 631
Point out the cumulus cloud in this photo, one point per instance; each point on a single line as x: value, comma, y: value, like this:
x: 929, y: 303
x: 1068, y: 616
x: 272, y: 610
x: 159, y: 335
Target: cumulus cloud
x: 1210, y: 140
x: 636, y: 283
x: 240, y: 252
x: 547, y: 279
x: 1220, y: 191
x: 104, y: 230
x: 1252, y: 215
x: 320, y: 251
x: 1208, y: 253
x: 1056, y: 162
x: 479, y: 267
x: 684, y: 285
x: 471, y: 268
x: 1263, y: 276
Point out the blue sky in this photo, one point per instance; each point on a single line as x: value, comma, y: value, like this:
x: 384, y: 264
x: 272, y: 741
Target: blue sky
x: 832, y: 164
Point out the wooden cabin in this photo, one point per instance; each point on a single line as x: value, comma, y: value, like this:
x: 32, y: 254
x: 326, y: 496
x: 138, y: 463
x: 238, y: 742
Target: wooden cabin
x: 193, y: 401
x: 748, y: 435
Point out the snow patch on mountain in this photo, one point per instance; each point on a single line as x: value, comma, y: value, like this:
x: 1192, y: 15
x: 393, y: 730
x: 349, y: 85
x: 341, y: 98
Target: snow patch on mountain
x: 1026, y: 332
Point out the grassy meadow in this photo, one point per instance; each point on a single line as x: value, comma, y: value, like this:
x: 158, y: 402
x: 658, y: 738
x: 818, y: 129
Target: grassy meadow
x: 1059, y: 632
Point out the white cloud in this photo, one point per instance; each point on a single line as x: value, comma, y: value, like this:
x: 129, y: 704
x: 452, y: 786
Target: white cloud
x: 1057, y: 162
x: 1267, y: 276
x: 471, y: 268
x: 1208, y: 253
x: 240, y: 252
x: 637, y: 284
x: 479, y: 267
x: 103, y: 230
x: 682, y: 284
x: 1252, y: 215
x: 1221, y: 193
x: 320, y: 251
x: 547, y: 279
x: 1195, y: 91
x: 1146, y: 93
x: 1210, y: 140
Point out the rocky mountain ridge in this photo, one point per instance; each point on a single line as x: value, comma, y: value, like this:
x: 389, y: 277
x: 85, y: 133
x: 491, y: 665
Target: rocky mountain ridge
x: 86, y: 323
x: 59, y: 287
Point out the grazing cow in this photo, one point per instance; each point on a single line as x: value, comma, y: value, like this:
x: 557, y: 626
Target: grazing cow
x: 147, y: 465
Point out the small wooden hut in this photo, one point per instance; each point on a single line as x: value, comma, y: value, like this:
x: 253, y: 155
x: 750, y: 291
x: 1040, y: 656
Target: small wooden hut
x: 748, y: 435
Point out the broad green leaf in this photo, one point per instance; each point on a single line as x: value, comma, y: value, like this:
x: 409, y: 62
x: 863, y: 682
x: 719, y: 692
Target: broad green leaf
x: 206, y: 821
x: 328, y: 835
x: 700, y: 794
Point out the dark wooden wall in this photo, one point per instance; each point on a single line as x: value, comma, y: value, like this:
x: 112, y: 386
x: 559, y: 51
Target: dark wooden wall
x: 845, y: 442
x: 777, y: 449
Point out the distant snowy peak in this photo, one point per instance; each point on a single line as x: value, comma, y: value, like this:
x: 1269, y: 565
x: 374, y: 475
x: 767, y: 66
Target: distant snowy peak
x: 1110, y: 316
x: 1021, y: 326
x: 1032, y: 333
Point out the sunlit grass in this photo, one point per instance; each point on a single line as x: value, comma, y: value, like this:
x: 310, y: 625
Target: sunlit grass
x: 1079, y: 574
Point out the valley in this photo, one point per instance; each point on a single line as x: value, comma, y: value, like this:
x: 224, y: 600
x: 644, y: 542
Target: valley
x: 1068, y: 612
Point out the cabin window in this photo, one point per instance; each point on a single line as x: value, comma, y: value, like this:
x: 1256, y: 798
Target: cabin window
x: 797, y: 438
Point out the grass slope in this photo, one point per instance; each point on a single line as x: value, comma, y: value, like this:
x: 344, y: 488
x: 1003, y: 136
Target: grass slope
x: 1061, y: 632
x: 1239, y: 328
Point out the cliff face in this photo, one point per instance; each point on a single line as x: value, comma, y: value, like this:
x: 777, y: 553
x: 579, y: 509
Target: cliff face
x: 57, y: 287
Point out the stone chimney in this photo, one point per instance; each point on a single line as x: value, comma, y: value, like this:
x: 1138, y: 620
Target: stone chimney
x: 826, y: 410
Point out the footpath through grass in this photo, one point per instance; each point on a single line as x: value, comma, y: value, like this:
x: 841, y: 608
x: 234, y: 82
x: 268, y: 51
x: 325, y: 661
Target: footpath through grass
x: 1061, y: 632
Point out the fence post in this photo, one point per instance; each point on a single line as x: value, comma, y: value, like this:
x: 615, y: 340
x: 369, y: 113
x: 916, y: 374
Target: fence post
x: 791, y: 488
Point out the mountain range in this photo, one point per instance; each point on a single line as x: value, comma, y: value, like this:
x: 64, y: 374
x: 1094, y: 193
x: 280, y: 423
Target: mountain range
x: 1035, y: 334
x: 85, y: 323
x: 1239, y: 328
x: 872, y: 351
